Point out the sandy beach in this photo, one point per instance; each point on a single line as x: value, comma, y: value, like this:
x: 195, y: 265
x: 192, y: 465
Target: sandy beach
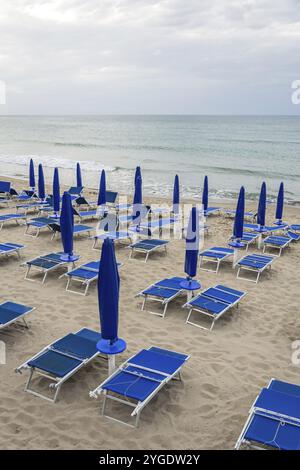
x: 227, y: 368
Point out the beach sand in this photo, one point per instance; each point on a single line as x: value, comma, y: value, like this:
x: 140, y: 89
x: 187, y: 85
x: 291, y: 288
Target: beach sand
x: 227, y: 368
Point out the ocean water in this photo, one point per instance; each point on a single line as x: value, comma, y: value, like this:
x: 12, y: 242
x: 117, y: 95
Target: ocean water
x: 231, y: 150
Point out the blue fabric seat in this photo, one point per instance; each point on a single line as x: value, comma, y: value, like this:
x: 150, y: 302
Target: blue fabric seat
x: 141, y: 377
x: 11, y: 312
x: 62, y: 359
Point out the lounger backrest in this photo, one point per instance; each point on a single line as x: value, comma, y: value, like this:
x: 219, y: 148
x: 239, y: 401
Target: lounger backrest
x: 5, y: 186
x: 75, y: 190
x: 111, y: 196
x: 81, y: 201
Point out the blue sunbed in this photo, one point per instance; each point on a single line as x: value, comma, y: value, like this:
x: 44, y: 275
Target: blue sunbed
x: 231, y: 213
x: 11, y: 217
x: 255, y: 263
x: 213, y: 303
x: 9, y: 248
x: 295, y: 227
x: 211, y: 210
x: 88, y: 214
x: 274, y: 419
x: 37, y: 224
x: 277, y: 242
x: 268, y: 229
x: 139, y: 379
x: 214, y: 255
x: 12, y: 312
x: 44, y: 264
x: 61, y: 360
x: 164, y: 292
x: 84, y: 275
x: 147, y: 246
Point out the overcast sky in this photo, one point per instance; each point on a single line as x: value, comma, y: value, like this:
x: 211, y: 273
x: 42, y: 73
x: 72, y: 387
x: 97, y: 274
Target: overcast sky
x: 149, y: 56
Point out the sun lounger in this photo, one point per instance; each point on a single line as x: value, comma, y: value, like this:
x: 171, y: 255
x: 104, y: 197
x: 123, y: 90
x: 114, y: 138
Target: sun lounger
x: 269, y: 229
x: 61, y: 360
x: 276, y: 242
x: 215, y: 255
x: 84, y: 275
x: 155, y: 225
x: 255, y: 263
x: 12, y: 312
x: 5, y: 187
x: 213, y: 303
x: 9, y: 248
x: 135, y: 218
x: 163, y: 292
x: 82, y: 201
x: 44, y: 264
x: 212, y: 210
x: 230, y: 213
x: 75, y: 191
x: 139, y: 379
x: 10, y: 218
x: 108, y: 227
x: 78, y: 229
x: 248, y: 238
x: 293, y: 235
x: 147, y: 246
x: 274, y: 419
x: 38, y: 223
x: 295, y: 227
x: 82, y: 215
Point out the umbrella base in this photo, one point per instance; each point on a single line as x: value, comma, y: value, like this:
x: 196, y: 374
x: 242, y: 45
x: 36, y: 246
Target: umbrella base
x: 236, y: 244
x: 190, y: 285
x: 69, y: 258
x: 105, y: 347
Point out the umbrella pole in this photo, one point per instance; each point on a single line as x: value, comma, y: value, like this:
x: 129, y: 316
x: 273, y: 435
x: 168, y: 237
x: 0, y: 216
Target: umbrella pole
x: 111, y: 364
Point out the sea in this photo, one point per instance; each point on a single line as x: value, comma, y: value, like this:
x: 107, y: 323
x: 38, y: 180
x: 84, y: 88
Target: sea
x: 231, y: 150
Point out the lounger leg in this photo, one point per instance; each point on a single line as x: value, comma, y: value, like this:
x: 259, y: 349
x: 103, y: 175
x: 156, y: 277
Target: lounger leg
x: 27, y: 272
x: 29, y: 380
x: 25, y: 323
x: 144, y: 303
x: 131, y: 253
x: 86, y: 289
x: 147, y: 256
x: 165, y: 310
x: 44, y: 278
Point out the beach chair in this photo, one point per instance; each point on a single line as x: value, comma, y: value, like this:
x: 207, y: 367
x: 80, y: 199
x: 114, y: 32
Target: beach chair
x: 254, y: 263
x: 267, y: 230
x: 248, y: 239
x: 75, y: 191
x: 11, y: 218
x: 163, y: 292
x: 156, y: 225
x: 9, y: 248
x: 35, y: 225
x: 60, y: 360
x: 230, y: 213
x: 135, y: 218
x: 111, y: 197
x: 294, y: 236
x: 275, y: 242
x: 82, y: 201
x: 213, y: 303
x: 147, y: 247
x: 44, y: 264
x: 85, y: 215
x: 139, y: 380
x: 12, y: 312
x: 78, y: 229
x: 295, y: 228
x: 212, y: 211
x: 84, y: 275
x: 5, y: 187
x: 214, y: 255
x: 108, y: 227
x: 274, y: 419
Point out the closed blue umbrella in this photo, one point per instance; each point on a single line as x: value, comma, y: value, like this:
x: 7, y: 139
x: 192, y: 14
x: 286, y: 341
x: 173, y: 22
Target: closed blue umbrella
x: 41, y: 182
x: 138, y: 197
x: 261, y: 212
x: 56, y: 195
x: 280, y: 203
x: 108, y: 292
x: 102, y: 189
x: 205, y: 194
x: 138, y: 174
x: 176, y: 195
x: 238, y: 227
x: 78, y: 175
x: 192, y: 244
x: 31, y: 175
x: 108, y: 300
x: 66, y: 227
